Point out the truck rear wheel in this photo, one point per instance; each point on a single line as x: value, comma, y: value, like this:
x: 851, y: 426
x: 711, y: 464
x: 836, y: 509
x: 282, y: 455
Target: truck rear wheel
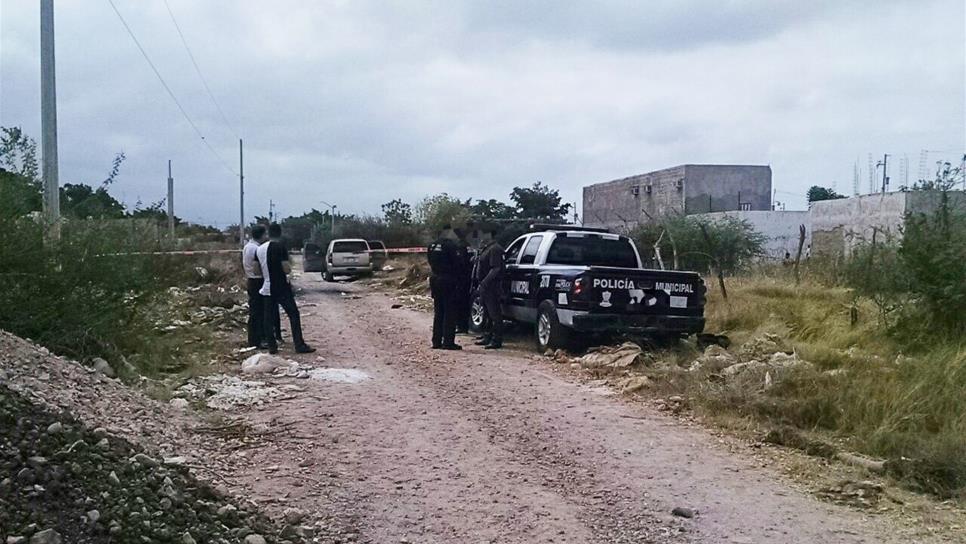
x: 477, y: 315
x: 327, y: 276
x: 550, y: 333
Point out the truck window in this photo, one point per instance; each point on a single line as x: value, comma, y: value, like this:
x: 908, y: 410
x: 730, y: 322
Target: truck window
x: 350, y: 247
x: 510, y: 254
x: 592, y: 251
x: 530, y: 251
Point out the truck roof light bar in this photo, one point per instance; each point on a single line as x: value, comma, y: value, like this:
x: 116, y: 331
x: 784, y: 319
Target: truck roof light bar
x: 564, y: 228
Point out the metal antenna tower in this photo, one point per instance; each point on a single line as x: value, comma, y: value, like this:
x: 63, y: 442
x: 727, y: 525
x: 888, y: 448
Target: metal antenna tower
x: 871, y: 175
x: 856, y: 175
x: 904, y: 170
x: 923, y: 164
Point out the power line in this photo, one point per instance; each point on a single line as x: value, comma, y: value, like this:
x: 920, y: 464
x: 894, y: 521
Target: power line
x: 198, y: 71
x: 168, y: 89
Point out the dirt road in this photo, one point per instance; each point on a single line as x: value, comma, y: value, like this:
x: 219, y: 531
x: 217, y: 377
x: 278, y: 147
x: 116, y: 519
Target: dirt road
x: 477, y: 446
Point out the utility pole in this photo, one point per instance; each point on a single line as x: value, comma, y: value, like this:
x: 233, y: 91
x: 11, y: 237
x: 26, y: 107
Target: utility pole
x: 170, y: 201
x: 48, y: 116
x: 885, y: 171
x: 241, y: 193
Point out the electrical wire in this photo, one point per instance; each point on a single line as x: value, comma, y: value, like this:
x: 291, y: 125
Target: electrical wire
x: 168, y: 89
x: 198, y: 71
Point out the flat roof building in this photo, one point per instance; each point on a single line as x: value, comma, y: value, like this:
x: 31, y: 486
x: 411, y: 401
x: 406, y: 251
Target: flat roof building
x: 681, y: 190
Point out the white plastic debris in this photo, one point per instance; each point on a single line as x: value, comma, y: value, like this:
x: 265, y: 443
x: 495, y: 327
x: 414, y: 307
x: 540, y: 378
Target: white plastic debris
x: 263, y: 363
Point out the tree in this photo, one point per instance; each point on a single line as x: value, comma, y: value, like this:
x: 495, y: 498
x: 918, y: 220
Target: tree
x: 728, y: 244
x: 19, y: 195
x: 816, y: 193
x: 539, y: 202
x: 298, y: 229
x: 932, y: 253
x: 491, y: 209
x: 20, y: 189
x: 82, y: 202
x: 154, y: 211
x: 18, y: 152
x: 397, y: 212
x: 440, y: 210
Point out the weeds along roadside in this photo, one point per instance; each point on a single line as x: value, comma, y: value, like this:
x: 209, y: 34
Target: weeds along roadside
x: 99, y: 292
x: 866, y: 388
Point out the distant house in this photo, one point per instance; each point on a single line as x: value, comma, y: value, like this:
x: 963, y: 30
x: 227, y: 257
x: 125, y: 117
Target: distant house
x: 688, y: 189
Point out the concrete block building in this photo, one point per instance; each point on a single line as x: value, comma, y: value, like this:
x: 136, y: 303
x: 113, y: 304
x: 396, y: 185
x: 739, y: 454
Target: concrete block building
x: 840, y: 225
x: 688, y: 189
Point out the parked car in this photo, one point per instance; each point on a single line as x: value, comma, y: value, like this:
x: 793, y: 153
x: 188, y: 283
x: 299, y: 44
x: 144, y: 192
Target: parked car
x: 347, y: 257
x: 312, y: 259
x: 378, y: 254
x: 573, y: 282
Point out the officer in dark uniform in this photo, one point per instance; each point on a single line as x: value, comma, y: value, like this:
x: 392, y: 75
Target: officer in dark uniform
x: 444, y: 261
x: 463, y: 284
x: 490, y: 269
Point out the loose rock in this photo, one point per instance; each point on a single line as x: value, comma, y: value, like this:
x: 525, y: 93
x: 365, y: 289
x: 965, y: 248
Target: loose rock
x: 683, y: 512
x: 103, y: 367
x: 47, y: 536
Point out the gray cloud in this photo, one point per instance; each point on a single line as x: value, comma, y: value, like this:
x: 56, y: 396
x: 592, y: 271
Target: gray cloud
x: 361, y: 102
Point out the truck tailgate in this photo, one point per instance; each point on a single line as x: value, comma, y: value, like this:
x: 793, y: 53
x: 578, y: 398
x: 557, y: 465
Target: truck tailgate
x: 629, y: 291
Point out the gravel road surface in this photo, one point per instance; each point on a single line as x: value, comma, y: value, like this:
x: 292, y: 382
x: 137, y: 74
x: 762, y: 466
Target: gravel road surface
x: 477, y: 446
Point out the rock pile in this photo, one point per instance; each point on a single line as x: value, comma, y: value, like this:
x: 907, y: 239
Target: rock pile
x: 63, y: 482
x: 56, y: 386
x: 764, y: 359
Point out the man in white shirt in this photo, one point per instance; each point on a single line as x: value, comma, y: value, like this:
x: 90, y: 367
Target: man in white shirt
x: 276, y: 290
x: 254, y: 280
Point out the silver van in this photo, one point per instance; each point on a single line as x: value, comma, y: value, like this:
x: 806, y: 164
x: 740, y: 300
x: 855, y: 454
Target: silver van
x: 347, y: 257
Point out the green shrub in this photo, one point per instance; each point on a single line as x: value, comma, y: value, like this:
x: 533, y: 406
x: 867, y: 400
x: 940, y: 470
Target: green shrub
x: 731, y: 244
x: 90, y: 294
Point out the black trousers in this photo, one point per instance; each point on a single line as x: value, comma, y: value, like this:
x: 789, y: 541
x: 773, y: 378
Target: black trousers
x: 256, y: 312
x: 464, y: 304
x: 445, y: 308
x: 490, y: 297
x: 285, y: 299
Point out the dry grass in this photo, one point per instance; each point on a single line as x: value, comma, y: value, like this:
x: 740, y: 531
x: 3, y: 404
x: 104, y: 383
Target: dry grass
x: 864, y: 389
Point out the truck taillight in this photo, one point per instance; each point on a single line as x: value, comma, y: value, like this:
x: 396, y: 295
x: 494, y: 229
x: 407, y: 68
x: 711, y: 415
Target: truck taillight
x: 578, y: 286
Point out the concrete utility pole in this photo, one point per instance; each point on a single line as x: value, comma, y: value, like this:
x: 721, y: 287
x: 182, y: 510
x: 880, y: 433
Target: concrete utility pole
x: 170, y: 201
x: 48, y: 116
x: 241, y: 193
x: 885, y: 172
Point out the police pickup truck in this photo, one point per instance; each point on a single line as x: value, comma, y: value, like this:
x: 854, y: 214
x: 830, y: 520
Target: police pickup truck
x: 576, y: 283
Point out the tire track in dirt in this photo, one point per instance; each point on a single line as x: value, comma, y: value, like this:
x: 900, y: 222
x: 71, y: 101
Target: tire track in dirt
x: 483, y: 447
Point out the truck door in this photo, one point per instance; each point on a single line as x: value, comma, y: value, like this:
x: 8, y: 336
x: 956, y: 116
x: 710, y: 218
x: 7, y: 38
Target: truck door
x: 523, y: 282
x: 510, y: 259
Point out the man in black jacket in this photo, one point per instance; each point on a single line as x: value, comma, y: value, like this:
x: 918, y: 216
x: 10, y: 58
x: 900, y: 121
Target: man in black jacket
x: 276, y: 290
x: 490, y: 270
x: 444, y: 260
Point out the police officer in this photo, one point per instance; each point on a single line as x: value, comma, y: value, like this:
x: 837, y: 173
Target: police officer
x: 444, y: 261
x: 490, y: 269
x: 463, y: 283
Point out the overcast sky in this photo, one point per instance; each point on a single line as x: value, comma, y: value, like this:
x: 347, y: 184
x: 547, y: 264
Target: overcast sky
x: 357, y: 103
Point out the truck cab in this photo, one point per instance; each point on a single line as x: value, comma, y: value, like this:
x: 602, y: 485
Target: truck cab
x: 572, y: 282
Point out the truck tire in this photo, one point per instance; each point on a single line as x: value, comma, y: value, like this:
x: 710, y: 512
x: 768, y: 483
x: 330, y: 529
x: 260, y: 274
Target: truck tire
x: 550, y: 333
x: 477, y: 315
x: 327, y: 276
